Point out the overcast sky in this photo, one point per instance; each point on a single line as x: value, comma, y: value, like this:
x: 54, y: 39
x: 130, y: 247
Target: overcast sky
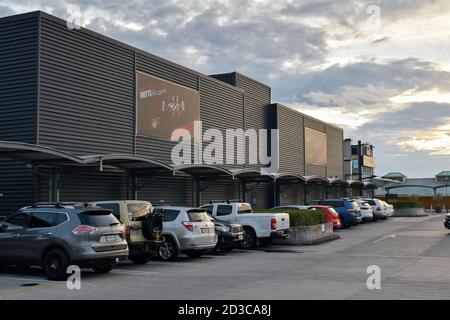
x: 379, y: 69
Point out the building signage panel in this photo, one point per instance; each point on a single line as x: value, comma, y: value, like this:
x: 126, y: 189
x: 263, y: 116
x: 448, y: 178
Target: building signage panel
x: 163, y: 106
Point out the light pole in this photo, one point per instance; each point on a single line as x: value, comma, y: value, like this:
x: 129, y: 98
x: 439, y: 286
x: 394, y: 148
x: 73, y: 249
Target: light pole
x: 446, y: 194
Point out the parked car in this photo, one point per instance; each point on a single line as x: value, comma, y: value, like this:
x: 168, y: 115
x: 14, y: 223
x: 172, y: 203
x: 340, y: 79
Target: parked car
x: 380, y: 212
x: 332, y: 215
x: 187, y: 230
x: 230, y: 235
x: 57, y: 236
x: 257, y: 226
x: 389, y: 208
x: 447, y: 221
x: 348, y: 210
x: 366, y: 210
x: 143, y: 227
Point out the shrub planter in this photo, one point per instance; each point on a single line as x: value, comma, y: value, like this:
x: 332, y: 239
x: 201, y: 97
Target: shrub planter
x: 410, y: 212
x: 310, y: 235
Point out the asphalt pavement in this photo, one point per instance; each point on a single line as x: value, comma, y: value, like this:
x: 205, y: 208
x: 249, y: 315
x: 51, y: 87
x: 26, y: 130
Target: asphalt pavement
x: 413, y: 255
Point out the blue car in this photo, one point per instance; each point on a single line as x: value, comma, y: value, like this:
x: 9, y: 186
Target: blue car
x: 349, y: 211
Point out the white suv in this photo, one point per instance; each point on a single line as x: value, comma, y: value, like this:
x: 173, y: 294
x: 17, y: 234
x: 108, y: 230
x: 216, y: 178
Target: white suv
x: 187, y: 230
x: 380, y: 211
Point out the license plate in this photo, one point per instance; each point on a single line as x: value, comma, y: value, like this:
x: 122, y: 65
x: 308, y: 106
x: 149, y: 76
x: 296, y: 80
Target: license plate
x: 205, y: 230
x: 111, y: 238
x: 240, y: 237
x: 134, y: 232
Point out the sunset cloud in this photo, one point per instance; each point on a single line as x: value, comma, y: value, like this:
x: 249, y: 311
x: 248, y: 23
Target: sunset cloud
x: 380, y: 69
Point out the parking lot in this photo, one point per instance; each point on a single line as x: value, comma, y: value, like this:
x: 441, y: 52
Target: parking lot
x: 413, y: 254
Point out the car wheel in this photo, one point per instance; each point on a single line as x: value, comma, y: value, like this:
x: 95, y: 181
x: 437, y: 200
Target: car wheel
x: 250, y: 240
x: 102, y: 269
x: 55, y: 264
x: 140, y: 259
x: 194, y: 253
x: 168, y: 251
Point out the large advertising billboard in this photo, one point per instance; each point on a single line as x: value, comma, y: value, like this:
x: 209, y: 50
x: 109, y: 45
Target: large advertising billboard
x: 315, y: 147
x: 163, y: 106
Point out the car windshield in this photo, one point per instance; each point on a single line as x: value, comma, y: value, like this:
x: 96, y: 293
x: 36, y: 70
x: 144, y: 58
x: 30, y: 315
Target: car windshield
x: 198, y: 216
x: 244, y: 208
x: 140, y: 209
x: 354, y: 204
x: 98, y: 218
x: 371, y: 202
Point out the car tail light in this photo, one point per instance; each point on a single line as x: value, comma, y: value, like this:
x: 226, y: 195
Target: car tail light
x: 127, y: 233
x: 188, y: 225
x: 364, y: 208
x: 84, y: 229
x: 273, y: 224
x: 351, y: 211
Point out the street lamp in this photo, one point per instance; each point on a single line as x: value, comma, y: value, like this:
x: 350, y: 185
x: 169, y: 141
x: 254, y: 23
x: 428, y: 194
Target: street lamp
x: 446, y: 194
x: 444, y: 176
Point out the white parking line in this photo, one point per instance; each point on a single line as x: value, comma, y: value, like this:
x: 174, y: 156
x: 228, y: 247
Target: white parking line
x: 175, y: 264
x: 385, y: 237
x: 134, y: 272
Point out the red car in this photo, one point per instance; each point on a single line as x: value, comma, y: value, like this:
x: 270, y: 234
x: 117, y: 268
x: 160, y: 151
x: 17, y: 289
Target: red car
x: 332, y: 215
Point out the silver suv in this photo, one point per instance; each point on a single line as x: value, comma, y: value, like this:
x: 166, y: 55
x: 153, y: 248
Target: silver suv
x: 187, y: 230
x: 57, y: 236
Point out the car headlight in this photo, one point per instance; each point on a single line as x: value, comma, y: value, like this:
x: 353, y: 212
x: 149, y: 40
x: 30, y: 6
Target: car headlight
x: 223, y: 228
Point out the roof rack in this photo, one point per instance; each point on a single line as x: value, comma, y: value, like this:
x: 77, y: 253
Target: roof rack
x: 58, y: 204
x: 225, y: 201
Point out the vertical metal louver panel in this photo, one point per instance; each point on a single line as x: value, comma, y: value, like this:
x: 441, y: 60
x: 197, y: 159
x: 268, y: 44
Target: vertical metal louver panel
x: 253, y: 88
x: 16, y: 186
x: 86, y: 91
x: 335, y: 140
x: 18, y: 78
x: 290, y: 125
x: 18, y: 99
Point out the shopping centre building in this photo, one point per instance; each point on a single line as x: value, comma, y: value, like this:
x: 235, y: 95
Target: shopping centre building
x: 84, y: 118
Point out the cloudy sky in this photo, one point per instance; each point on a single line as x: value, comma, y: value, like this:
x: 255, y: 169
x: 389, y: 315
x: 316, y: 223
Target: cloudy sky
x: 380, y: 69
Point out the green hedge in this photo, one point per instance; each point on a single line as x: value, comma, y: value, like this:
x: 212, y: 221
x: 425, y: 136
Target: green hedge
x: 300, y: 218
x: 408, y: 204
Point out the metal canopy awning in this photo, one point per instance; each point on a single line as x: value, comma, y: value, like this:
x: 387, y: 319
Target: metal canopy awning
x: 356, y: 183
x: 289, y: 177
x: 203, y: 170
x: 337, y: 181
x: 384, y: 182
x: 316, y: 179
x: 128, y: 162
x: 370, y: 185
x: 37, y: 154
x: 251, y: 175
x: 46, y: 156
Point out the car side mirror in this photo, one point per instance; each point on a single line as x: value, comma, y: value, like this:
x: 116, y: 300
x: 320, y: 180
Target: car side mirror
x: 3, y: 227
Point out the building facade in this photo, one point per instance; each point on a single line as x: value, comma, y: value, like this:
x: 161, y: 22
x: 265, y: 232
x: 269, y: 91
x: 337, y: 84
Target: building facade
x: 73, y: 126
x: 359, y: 160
